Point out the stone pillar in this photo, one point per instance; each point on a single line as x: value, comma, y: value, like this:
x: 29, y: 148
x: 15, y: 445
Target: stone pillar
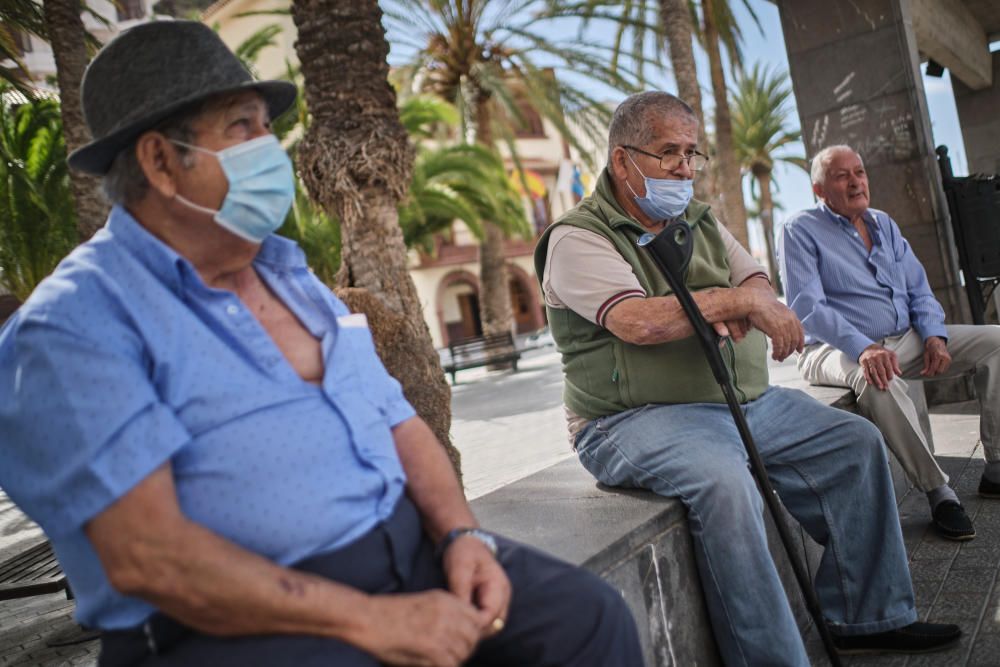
x: 855, y: 74
x: 979, y: 116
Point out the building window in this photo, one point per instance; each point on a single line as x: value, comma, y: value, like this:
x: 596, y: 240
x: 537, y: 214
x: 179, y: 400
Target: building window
x: 530, y: 124
x: 130, y: 9
x: 20, y: 39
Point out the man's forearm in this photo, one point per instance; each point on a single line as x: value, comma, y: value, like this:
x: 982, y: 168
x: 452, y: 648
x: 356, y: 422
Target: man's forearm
x: 758, y: 281
x: 151, y: 551
x: 654, y: 320
x: 431, y: 480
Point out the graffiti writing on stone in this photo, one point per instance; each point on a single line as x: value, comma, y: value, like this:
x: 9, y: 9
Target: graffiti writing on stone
x: 878, y: 130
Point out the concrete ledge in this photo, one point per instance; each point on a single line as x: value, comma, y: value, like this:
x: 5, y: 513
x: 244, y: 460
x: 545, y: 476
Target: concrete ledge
x: 635, y: 540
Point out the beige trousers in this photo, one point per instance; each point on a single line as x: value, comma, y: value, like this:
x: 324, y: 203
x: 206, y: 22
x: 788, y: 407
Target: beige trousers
x: 974, y: 349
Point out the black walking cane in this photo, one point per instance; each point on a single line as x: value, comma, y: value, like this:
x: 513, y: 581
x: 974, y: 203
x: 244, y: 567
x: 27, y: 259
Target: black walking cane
x: 671, y: 250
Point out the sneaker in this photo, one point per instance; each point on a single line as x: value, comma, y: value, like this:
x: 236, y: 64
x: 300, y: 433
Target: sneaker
x: 988, y: 489
x: 914, y: 638
x: 952, y: 522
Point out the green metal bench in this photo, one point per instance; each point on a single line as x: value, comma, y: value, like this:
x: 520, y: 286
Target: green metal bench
x: 481, y: 351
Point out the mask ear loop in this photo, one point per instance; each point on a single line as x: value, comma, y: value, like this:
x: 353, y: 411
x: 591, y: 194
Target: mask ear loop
x: 198, y: 207
x: 646, y: 181
x: 184, y: 200
x: 631, y: 189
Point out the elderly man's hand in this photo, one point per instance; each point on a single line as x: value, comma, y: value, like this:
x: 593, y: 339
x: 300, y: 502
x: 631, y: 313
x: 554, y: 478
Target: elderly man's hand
x: 433, y: 628
x: 937, y: 360
x: 735, y: 329
x: 879, y: 365
x: 778, y: 322
x: 476, y: 577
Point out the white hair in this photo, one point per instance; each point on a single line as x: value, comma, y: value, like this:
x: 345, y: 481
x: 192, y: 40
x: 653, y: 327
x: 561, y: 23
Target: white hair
x: 821, y: 161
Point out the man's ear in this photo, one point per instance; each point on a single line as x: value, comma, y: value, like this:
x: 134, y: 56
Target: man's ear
x: 159, y: 162
x: 618, y: 167
x: 818, y: 191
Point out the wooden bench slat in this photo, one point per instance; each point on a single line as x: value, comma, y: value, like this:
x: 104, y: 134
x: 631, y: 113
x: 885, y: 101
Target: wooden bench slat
x: 40, y: 550
x: 14, y: 591
x: 16, y: 569
x: 29, y: 572
x: 35, y: 571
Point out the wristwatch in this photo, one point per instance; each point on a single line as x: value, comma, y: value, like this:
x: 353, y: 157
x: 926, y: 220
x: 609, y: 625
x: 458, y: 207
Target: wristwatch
x: 488, y: 540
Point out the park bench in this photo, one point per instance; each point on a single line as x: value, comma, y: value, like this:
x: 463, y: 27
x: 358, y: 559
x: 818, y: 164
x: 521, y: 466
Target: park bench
x: 34, y: 571
x: 481, y: 351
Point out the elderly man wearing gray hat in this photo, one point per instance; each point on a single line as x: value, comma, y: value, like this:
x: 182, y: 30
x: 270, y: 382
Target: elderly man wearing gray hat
x: 225, y: 469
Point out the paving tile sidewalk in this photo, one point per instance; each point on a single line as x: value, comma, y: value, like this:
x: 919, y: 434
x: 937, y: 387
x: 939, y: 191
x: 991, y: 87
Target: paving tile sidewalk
x: 510, y: 425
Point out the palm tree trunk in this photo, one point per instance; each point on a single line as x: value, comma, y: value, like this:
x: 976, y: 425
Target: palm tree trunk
x: 734, y: 211
x: 679, y: 28
x: 494, y: 292
x: 767, y: 218
x: 66, y: 36
x: 355, y: 160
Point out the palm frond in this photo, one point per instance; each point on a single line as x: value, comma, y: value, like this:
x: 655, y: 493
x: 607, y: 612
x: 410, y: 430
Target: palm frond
x: 37, y: 215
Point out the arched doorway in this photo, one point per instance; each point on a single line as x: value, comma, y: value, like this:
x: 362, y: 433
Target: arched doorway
x: 458, y: 307
x: 524, y: 301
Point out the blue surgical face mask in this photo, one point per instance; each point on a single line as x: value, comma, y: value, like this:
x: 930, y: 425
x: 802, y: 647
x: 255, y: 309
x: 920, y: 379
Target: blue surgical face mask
x: 666, y: 198
x: 261, y: 187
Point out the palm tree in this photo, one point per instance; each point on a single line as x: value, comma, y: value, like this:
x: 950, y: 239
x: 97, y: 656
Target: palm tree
x: 678, y: 21
x: 59, y: 23
x: 18, y: 18
x: 355, y: 161
x: 69, y: 40
x: 670, y: 25
x: 760, y: 130
x: 37, y: 220
x: 483, y: 56
x: 464, y: 182
x: 678, y: 27
x: 719, y: 27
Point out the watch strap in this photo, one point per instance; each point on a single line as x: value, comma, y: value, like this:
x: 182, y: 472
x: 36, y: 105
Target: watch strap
x: 488, y: 541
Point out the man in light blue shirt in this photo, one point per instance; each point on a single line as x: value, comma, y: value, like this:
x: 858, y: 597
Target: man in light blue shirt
x: 872, y: 322
x: 225, y: 469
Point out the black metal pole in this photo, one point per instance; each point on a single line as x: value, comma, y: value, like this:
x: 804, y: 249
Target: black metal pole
x: 670, y: 250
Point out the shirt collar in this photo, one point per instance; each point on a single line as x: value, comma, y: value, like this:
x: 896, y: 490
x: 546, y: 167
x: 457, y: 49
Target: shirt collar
x: 175, y: 271
x: 867, y: 216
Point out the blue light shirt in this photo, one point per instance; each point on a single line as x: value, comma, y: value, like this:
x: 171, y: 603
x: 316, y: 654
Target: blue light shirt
x: 846, y: 296
x: 124, y: 359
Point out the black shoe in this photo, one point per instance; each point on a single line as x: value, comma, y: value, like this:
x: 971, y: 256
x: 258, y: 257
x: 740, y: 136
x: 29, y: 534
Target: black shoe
x: 988, y: 489
x: 914, y: 638
x: 952, y: 522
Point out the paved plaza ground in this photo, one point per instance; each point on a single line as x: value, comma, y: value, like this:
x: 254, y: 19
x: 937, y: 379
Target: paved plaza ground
x: 508, y: 426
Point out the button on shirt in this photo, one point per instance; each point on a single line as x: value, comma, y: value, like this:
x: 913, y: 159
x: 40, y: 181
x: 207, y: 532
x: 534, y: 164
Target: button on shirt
x: 847, y: 296
x: 124, y: 359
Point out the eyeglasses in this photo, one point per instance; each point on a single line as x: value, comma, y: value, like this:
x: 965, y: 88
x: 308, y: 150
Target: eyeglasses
x: 671, y: 161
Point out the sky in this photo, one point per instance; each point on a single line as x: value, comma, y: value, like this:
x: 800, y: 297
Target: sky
x: 766, y: 46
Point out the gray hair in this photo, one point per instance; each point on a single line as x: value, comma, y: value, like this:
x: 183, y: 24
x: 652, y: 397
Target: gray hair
x: 125, y: 183
x: 630, y: 124
x: 821, y: 161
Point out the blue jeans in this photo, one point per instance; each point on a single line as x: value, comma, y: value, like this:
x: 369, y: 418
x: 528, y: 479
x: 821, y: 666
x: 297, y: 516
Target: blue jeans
x: 830, y: 469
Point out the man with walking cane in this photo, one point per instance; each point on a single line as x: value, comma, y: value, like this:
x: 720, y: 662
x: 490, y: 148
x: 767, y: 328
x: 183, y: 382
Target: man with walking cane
x: 645, y: 411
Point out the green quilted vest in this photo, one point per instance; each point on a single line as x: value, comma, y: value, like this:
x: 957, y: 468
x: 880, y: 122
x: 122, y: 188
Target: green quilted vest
x: 604, y: 374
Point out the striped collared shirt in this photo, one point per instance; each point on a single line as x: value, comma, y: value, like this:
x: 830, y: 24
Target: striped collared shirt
x: 849, y: 297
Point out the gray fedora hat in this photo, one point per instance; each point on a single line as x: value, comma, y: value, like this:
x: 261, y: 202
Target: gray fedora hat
x: 152, y: 71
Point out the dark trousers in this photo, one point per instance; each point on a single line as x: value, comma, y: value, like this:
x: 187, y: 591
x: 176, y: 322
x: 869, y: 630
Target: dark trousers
x: 559, y: 615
